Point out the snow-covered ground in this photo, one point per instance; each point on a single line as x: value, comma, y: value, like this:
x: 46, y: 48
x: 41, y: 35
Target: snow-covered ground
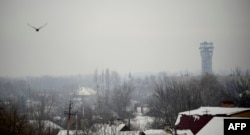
x: 155, y: 132
x: 71, y: 132
x: 140, y: 121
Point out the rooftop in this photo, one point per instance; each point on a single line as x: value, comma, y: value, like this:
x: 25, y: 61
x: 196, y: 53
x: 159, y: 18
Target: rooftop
x: 215, y: 111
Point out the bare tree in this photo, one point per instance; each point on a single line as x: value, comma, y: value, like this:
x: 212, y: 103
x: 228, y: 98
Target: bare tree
x: 103, y: 109
x: 121, y: 99
x: 171, y: 96
x: 43, y: 104
x: 211, y: 90
x: 238, y: 88
x: 115, y: 79
x: 86, y: 118
x: 12, y: 121
x: 175, y: 94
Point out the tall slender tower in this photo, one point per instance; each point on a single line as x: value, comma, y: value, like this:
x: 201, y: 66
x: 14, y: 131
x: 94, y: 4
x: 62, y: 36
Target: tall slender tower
x: 206, y: 50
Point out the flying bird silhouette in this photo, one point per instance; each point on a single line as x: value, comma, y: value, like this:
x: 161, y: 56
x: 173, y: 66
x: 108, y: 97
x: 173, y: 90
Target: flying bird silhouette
x: 37, y: 29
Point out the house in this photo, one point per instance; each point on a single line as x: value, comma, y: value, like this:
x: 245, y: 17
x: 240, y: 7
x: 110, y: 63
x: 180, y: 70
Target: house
x: 108, y: 129
x: 85, y: 92
x: 197, y: 121
x: 83, y: 95
x: 46, y: 125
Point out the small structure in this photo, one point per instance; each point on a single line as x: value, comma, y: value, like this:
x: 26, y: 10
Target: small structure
x: 198, y: 121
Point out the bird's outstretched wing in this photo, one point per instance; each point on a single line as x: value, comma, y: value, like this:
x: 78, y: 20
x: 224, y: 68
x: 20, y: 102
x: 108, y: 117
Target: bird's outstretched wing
x: 31, y: 26
x: 37, y: 29
x: 42, y: 26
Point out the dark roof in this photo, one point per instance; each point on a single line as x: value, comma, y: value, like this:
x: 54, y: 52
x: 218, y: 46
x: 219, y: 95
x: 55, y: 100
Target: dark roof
x: 125, y: 128
x: 239, y: 112
x: 194, y: 123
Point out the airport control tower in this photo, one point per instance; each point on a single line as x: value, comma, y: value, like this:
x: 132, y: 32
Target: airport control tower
x: 206, y: 50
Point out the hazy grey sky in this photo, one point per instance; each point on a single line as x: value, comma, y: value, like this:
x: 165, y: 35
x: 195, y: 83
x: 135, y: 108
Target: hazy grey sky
x: 122, y: 35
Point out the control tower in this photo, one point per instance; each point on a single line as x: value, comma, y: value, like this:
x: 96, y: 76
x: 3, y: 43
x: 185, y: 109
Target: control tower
x: 206, y: 50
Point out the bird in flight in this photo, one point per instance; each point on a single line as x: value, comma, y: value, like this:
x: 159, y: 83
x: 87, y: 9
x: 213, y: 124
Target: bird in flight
x: 37, y: 29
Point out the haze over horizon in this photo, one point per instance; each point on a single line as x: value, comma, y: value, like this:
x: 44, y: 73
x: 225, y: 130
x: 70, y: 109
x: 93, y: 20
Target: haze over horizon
x: 125, y: 36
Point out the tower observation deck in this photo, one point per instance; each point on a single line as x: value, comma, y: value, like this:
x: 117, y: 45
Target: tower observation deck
x: 206, y: 51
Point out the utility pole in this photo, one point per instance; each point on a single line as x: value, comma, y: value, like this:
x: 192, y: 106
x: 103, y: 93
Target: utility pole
x: 69, y: 113
x: 76, y: 124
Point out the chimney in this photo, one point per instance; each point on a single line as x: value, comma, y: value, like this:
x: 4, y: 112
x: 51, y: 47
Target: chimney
x: 227, y: 103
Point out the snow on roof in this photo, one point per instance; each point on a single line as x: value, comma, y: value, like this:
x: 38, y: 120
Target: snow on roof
x: 215, y: 111
x: 86, y: 91
x: 155, y: 132
x: 129, y: 133
x: 71, y: 132
x: 215, y: 126
x: 47, y: 124
x: 184, y: 132
x: 119, y: 128
x: 108, y: 129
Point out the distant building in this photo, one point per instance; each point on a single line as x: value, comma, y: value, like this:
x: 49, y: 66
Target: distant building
x: 84, y: 93
x: 206, y: 51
